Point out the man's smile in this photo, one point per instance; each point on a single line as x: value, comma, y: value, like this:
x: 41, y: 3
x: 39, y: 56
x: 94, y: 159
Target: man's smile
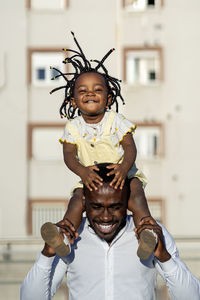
x: 105, y: 228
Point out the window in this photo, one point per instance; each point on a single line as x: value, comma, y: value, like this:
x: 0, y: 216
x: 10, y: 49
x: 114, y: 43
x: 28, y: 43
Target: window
x: 149, y: 140
x: 157, y: 209
x: 47, y: 4
x: 41, y: 211
x: 39, y: 62
x: 40, y: 68
x: 143, y: 66
x: 141, y: 5
x: 43, y: 144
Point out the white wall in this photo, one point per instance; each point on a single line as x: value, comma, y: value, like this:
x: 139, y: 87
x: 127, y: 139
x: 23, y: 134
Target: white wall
x: 13, y: 108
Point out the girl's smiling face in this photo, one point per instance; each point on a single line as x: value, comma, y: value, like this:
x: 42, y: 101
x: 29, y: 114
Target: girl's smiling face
x: 91, y: 96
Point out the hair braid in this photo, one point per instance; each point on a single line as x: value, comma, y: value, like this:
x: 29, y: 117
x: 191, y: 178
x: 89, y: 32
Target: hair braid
x: 81, y: 65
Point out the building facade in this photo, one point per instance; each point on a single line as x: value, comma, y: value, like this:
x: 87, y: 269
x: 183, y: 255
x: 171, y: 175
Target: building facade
x: 156, y: 57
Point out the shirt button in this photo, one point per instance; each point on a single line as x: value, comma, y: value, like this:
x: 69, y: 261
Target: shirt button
x: 92, y: 145
x: 95, y: 162
x: 95, y: 134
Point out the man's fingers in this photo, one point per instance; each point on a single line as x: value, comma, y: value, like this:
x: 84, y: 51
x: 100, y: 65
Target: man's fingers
x: 70, y: 239
x: 155, y: 228
x: 66, y: 231
x: 147, y: 220
x: 66, y: 223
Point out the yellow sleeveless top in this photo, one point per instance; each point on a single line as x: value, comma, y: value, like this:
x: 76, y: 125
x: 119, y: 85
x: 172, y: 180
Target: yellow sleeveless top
x: 102, y: 151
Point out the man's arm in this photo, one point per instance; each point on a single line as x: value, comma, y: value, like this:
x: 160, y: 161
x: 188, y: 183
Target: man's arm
x: 181, y: 283
x: 44, y: 278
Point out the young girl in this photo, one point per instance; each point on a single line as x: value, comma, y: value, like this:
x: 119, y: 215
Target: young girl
x: 98, y: 135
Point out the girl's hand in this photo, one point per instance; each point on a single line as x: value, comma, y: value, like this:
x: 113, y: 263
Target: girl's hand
x: 120, y: 175
x: 90, y: 178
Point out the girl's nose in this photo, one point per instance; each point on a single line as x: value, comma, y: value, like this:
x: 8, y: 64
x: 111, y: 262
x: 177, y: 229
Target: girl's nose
x: 90, y: 92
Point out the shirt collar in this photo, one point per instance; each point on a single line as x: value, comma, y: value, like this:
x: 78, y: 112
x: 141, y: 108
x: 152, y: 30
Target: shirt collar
x: 127, y: 228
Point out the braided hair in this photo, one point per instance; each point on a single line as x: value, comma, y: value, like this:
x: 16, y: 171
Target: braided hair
x: 81, y: 65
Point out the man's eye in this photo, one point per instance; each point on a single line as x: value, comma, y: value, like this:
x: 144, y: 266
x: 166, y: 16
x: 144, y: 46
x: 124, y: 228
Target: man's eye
x: 82, y: 91
x: 96, y: 207
x: 98, y: 90
x: 116, y: 207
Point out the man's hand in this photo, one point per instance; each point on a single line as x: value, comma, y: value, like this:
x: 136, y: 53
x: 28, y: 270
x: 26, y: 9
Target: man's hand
x: 120, y: 175
x: 90, y: 178
x: 160, y: 252
x: 48, y: 251
x: 67, y: 228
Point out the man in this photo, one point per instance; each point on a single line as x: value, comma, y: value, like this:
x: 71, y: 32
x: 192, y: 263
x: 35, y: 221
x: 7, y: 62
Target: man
x: 103, y: 263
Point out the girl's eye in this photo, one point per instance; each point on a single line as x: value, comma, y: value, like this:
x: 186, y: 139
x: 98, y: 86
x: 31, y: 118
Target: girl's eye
x: 82, y: 91
x: 98, y: 90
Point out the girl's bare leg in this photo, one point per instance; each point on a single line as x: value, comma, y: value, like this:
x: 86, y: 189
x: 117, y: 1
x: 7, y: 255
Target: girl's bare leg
x: 72, y: 219
x: 137, y: 204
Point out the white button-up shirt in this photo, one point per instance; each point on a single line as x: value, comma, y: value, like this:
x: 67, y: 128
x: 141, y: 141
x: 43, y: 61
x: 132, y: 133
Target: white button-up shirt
x: 97, y: 271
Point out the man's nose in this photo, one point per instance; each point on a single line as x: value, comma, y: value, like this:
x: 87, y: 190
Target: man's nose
x: 106, y: 216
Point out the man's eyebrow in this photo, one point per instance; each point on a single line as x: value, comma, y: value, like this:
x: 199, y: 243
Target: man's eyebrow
x: 116, y: 204
x: 96, y: 203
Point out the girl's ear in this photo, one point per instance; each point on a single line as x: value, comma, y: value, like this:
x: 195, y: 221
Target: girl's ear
x: 109, y: 99
x: 73, y: 102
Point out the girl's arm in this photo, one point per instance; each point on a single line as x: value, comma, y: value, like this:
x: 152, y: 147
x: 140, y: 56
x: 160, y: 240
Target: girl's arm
x: 130, y: 151
x: 87, y: 174
x: 70, y: 159
x: 121, y: 170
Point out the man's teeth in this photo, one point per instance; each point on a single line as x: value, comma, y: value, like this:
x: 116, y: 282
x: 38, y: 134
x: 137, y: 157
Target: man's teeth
x: 105, y: 228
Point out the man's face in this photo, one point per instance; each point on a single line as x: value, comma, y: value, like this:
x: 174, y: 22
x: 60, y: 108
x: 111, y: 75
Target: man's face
x: 106, y: 210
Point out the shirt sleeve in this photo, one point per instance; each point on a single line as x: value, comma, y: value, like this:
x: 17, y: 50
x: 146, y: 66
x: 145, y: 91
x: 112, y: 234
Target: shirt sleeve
x: 122, y: 126
x: 181, y: 283
x: 67, y: 137
x: 43, y: 279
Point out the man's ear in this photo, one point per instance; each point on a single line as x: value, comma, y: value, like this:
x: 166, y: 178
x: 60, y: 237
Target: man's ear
x: 83, y: 201
x: 73, y: 102
x: 109, y: 99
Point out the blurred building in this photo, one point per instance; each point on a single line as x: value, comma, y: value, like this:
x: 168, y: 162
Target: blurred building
x: 157, y: 57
